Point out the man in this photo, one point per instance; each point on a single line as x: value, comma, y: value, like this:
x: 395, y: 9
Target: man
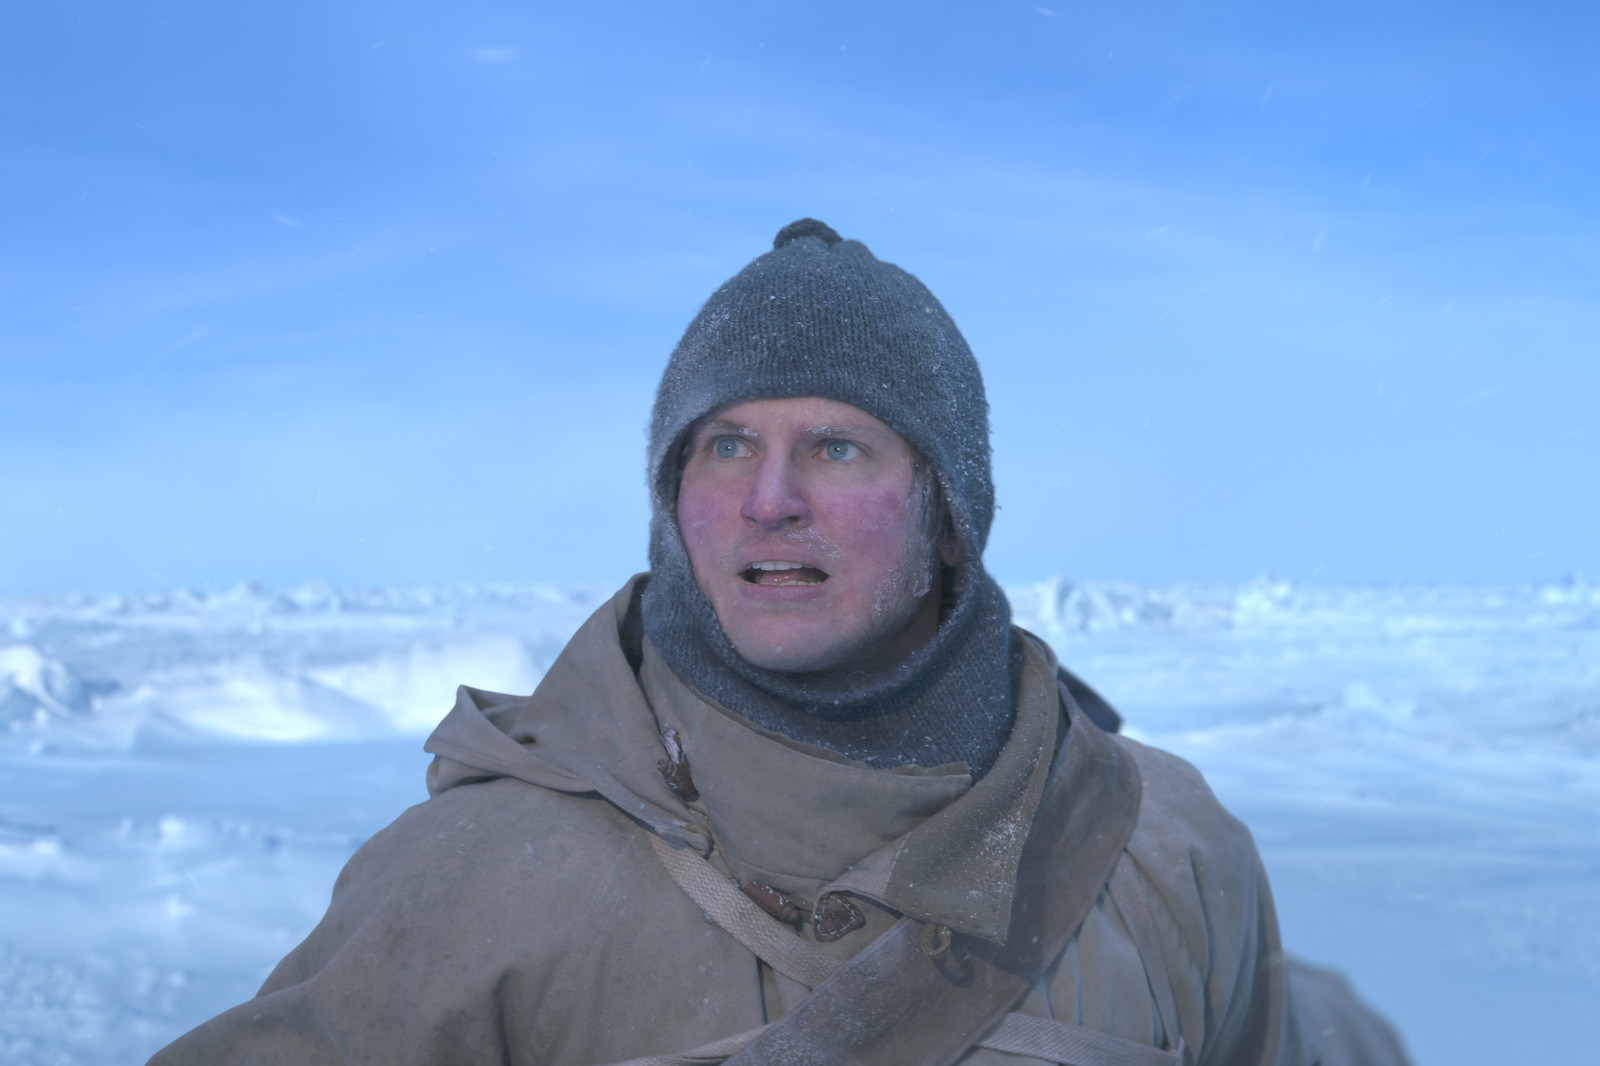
x: 816, y: 696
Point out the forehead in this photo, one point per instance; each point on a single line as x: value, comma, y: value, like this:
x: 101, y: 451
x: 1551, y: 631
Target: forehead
x: 810, y: 415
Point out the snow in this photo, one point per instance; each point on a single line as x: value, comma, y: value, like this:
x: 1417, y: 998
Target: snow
x: 184, y: 775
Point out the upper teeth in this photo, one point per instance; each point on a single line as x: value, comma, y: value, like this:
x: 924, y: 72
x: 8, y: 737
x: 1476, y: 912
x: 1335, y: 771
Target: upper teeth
x: 777, y: 566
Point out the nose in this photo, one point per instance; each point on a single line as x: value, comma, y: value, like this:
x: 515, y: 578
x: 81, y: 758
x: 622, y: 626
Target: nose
x: 776, y: 500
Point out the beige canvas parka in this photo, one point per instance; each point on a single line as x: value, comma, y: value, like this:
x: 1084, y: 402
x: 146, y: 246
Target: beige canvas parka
x: 522, y: 915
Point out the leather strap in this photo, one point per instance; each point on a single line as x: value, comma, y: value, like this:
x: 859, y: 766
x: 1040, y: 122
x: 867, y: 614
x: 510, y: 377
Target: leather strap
x: 1072, y: 1045
x: 894, y: 1004
x: 1018, y: 1034
x: 797, y: 959
x: 735, y: 913
x: 1128, y: 896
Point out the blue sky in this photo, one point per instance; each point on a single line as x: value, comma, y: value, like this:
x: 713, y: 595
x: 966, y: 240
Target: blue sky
x: 378, y: 293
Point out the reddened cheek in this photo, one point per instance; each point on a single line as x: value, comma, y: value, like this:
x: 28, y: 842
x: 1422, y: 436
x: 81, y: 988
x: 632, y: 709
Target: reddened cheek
x: 697, y: 510
x: 697, y: 525
x: 877, y: 510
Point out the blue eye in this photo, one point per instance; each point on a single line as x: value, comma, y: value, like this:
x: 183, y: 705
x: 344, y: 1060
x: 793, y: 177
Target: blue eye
x: 727, y: 447
x: 840, y: 450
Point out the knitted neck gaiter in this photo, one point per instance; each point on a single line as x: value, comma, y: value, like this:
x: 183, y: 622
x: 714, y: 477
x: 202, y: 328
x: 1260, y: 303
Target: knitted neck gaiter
x: 949, y: 702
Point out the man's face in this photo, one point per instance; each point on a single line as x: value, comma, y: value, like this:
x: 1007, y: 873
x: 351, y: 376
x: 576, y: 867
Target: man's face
x: 806, y: 534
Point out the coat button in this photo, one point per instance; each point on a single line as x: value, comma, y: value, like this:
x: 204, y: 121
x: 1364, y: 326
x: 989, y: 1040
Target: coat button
x: 834, y: 917
x: 674, y: 769
x: 773, y: 902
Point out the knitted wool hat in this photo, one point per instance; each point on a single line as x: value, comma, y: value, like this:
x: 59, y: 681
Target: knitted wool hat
x: 821, y: 316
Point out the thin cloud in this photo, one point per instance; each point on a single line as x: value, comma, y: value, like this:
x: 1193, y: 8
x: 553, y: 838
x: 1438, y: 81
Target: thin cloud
x: 187, y: 339
x: 1176, y: 97
x: 499, y: 53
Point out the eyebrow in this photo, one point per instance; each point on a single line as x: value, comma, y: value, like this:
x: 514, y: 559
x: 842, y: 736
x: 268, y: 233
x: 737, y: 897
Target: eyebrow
x: 723, y: 425
x: 846, y: 430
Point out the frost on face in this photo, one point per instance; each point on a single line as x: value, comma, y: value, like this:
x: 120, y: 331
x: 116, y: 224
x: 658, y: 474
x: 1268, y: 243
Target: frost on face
x: 899, y: 595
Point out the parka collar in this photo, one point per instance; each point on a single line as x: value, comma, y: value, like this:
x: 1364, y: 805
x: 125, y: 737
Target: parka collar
x: 923, y: 842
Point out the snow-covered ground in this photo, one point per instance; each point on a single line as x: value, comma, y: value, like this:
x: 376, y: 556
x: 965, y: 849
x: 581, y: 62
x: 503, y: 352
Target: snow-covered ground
x: 181, y: 777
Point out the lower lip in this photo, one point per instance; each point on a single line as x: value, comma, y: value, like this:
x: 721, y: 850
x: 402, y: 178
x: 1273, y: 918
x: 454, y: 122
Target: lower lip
x: 797, y: 593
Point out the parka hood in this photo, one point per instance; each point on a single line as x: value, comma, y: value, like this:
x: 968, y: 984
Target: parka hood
x: 610, y: 747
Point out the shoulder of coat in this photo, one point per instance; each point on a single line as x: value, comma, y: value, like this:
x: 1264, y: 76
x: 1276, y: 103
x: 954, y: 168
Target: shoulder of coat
x: 1181, y: 821
x: 502, y: 823
x: 1197, y: 862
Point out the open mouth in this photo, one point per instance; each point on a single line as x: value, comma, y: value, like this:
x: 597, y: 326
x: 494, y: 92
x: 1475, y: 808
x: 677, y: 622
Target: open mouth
x: 779, y: 574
